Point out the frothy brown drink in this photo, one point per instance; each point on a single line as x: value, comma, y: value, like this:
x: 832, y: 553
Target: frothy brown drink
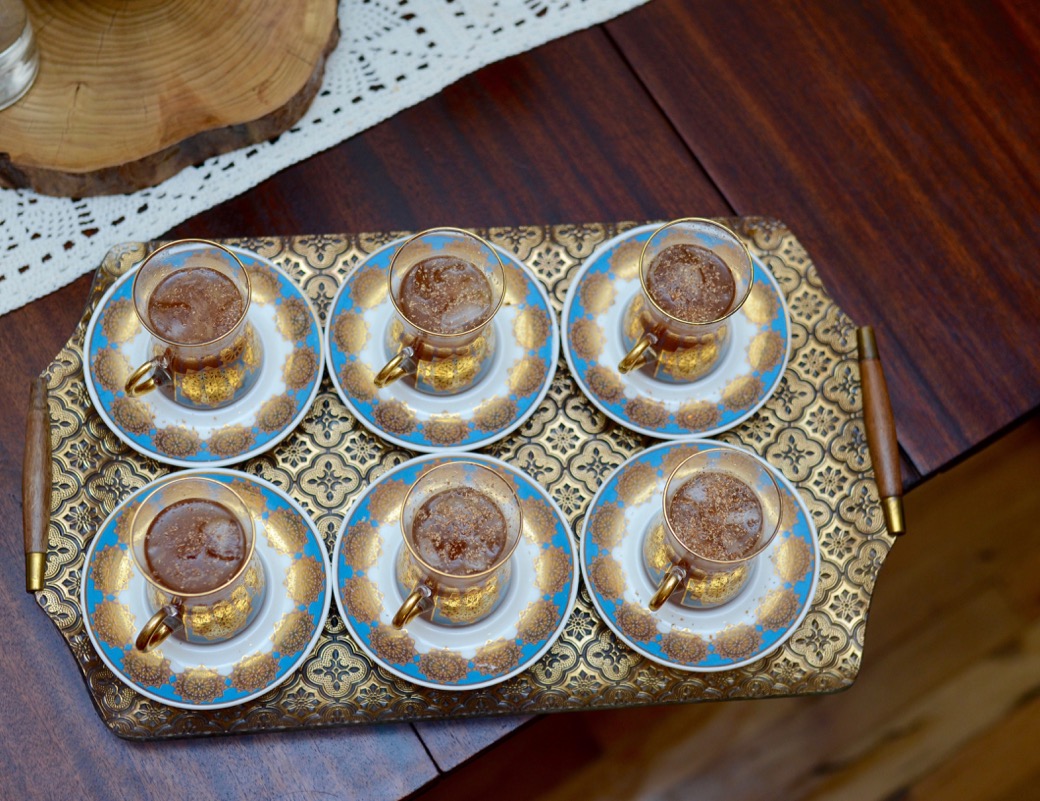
x: 691, y: 283
x: 194, y: 305
x: 717, y: 516
x: 446, y: 295
x: 194, y: 546
x: 459, y: 531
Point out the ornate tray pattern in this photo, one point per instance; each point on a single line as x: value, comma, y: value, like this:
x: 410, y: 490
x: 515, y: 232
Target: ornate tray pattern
x: 811, y: 429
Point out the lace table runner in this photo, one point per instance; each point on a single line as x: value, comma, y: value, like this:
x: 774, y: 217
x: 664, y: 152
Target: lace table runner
x: 392, y: 54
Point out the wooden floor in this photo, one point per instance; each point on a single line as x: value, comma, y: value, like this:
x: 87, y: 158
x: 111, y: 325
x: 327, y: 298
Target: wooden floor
x: 947, y: 705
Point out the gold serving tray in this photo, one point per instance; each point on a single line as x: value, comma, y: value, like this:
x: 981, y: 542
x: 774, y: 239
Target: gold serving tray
x: 812, y: 430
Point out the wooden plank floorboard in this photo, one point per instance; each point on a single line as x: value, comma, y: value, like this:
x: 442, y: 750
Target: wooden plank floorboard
x: 905, y: 163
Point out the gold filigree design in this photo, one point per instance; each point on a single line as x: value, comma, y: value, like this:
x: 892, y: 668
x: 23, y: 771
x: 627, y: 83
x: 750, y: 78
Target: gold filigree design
x: 608, y: 525
x: 263, y: 284
x: 531, y: 328
x: 793, y: 559
x: 305, y: 580
x: 276, y: 413
x: 766, y: 350
x: 358, y: 380
x: 114, y: 624
x: 760, y: 306
x: 112, y: 570
x: 395, y: 646
x: 497, y: 657
x: 199, y: 685
x: 526, y: 375
x: 737, y: 641
x: 443, y: 666
x: 698, y: 416
x: 624, y: 262
x: 230, y: 441
x: 251, y: 495
x: 495, y: 414
x: 605, y: 383
x: 362, y: 545
x: 147, y: 670
x: 126, y: 518
x: 300, y: 368
x: 676, y: 456
x: 552, y: 570
x: 537, y: 621
x: 350, y: 332
x: 394, y: 416
x: 586, y: 339
x: 778, y: 609
x: 133, y: 415
x: 448, y: 429
x: 684, y: 647
x: 368, y: 288
x: 636, y: 622
x: 539, y: 521
x: 292, y: 632
x: 597, y: 293
x: 286, y: 531
x: 607, y: 577
x: 742, y: 392
x: 362, y: 598
x: 384, y: 502
x: 177, y: 441
x: 636, y: 483
x: 112, y: 369
x: 120, y: 323
x: 223, y: 619
x: 293, y: 319
x: 516, y: 284
x: 254, y: 672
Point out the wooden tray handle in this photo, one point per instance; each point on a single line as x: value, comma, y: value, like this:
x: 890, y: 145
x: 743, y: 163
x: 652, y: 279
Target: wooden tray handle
x: 881, y: 431
x: 36, y: 486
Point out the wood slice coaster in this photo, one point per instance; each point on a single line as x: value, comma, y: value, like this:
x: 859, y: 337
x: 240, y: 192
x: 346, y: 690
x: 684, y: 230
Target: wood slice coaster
x: 129, y: 94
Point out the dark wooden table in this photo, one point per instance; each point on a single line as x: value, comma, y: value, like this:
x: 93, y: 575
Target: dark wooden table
x: 896, y: 138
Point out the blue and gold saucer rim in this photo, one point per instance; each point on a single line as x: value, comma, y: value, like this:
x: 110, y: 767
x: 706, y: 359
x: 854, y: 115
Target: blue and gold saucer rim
x: 592, y: 292
x: 109, y: 571
x: 114, y: 323
x: 700, y: 645
x: 535, y: 336
x: 539, y: 623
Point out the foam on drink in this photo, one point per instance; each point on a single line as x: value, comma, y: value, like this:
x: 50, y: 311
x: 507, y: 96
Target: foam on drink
x: 194, y: 545
x: 194, y: 305
x: 717, y: 516
x: 446, y: 295
x: 691, y: 283
x: 459, y: 531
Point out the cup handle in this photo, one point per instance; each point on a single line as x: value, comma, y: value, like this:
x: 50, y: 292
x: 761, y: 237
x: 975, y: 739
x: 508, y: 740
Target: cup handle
x: 669, y: 583
x: 160, y: 626
x: 417, y: 601
x: 639, y: 354
x: 145, y: 378
x: 398, y: 367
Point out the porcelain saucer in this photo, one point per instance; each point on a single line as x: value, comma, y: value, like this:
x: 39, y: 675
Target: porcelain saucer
x: 756, y: 622
x: 539, y: 600
x: 518, y: 378
x: 154, y: 425
x: 746, y: 376
x: 114, y: 598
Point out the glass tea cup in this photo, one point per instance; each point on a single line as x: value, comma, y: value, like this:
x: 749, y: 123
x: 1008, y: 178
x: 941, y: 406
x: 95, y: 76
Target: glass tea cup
x: 213, y: 611
x: 704, y: 545
x: 658, y: 339
x: 444, y: 346
x: 445, y: 595
x: 199, y: 360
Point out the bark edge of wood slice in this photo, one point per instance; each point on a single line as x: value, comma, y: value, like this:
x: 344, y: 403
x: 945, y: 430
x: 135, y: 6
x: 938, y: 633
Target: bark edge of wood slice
x: 129, y: 94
